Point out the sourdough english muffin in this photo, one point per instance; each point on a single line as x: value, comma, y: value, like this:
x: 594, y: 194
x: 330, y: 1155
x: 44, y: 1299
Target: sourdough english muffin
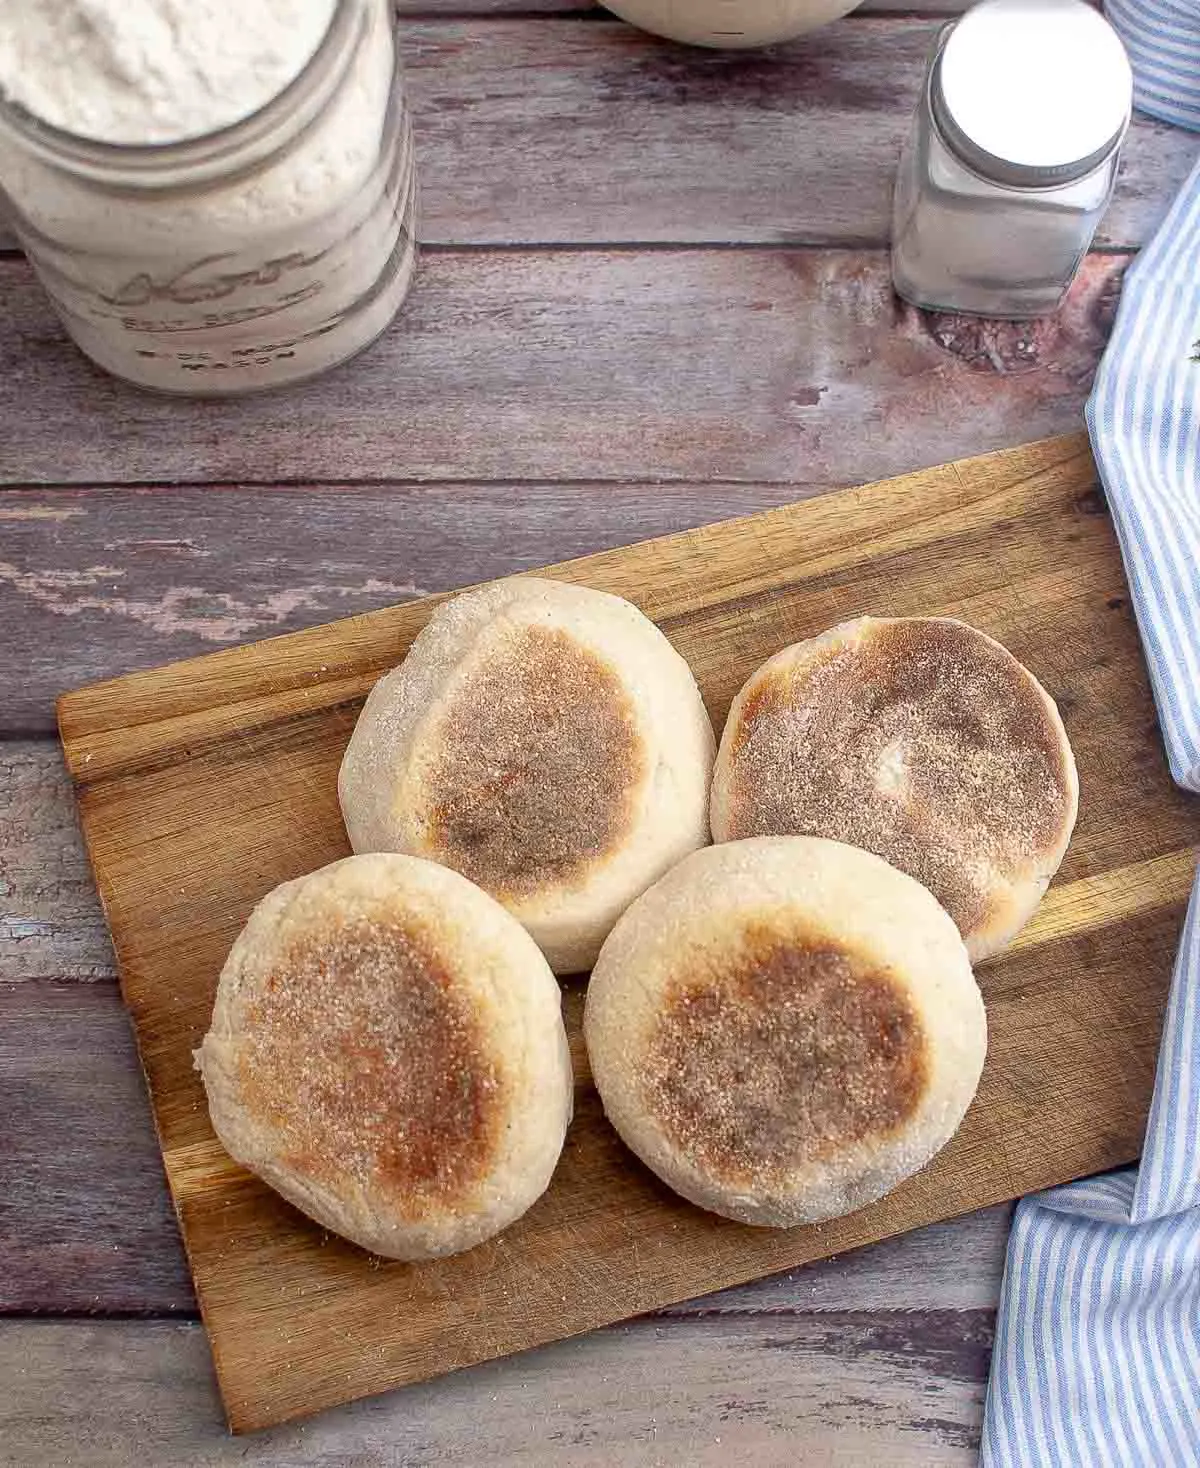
x: 548, y: 742
x: 387, y: 1051
x: 919, y: 739
x: 784, y: 1029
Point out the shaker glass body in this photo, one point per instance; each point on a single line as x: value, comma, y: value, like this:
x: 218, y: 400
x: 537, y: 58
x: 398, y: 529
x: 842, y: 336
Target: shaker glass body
x: 962, y: 242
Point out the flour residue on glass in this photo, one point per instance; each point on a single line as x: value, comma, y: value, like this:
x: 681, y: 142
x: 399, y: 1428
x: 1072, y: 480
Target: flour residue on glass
x: 153, y: 71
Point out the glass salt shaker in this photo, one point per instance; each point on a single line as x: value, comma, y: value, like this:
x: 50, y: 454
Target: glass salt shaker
x: 1011, y: 159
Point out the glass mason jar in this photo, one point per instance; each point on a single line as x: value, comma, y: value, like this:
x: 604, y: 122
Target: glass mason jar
x: 1011, y: 158
x: 256, y: 255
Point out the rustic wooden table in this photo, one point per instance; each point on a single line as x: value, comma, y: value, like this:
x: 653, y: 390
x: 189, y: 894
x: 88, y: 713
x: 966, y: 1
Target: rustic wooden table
x: 655, y: 293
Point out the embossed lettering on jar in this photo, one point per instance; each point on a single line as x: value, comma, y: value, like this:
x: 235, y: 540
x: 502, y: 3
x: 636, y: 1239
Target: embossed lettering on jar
x: 189, y: 250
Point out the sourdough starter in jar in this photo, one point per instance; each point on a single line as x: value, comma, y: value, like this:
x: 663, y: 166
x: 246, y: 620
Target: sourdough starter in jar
x: 218, y: 197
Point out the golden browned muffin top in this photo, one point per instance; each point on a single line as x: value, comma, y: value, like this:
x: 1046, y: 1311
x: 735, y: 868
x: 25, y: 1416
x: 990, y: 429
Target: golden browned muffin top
x: 358, y: 1057
x: 538, y: 765
x: 785, y: 1050
x: 918, y: 739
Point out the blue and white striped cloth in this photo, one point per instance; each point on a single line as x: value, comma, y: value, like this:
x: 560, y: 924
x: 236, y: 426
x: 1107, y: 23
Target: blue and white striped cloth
x: 1163, y: 41
x: 1097, y: 1356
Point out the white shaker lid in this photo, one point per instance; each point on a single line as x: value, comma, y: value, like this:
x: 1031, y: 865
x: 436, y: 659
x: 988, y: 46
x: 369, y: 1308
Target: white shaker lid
x: 1032, y: 92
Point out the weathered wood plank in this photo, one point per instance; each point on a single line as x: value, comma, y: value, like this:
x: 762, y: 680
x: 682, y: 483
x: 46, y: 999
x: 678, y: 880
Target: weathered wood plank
x: 51, y: 926
x: 835, y: 1390
x: 85, y: 1222
x: 96, y: 582
x: 87, y: 1227
x: 955, y: 1265
x: 577, y: 131
x: 609, y: 135
x: 761, y: 365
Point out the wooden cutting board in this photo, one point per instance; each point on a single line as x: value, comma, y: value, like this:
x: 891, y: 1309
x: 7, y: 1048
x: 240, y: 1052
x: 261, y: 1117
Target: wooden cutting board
x: 204, y: 784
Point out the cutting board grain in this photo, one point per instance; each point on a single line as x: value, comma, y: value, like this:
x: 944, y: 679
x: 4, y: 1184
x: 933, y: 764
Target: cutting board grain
x: 203, y: 784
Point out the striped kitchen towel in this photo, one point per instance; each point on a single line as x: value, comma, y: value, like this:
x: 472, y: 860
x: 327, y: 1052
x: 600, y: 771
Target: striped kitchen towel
x: 1097, y: 1356
x: 1163, y: 41
x: 1144, y: 419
